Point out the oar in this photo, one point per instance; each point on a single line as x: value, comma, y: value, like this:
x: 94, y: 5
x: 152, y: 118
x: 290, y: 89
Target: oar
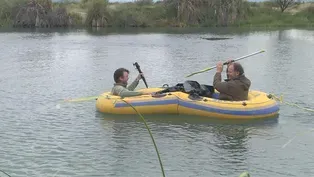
x: 225, y: 63
x: 81, y: 99
x: 77, y: 100
x: 140, y: 71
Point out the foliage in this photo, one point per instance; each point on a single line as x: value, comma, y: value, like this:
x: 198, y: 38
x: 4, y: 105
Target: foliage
x: 7, y: 10
x: 97, y: 11
x: 172, y: 13
x: 284, y: 4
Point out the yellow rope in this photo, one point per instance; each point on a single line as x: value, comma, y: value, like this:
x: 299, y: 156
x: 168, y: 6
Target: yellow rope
x: 298, y: 134
x: 95, y: 97
x: 151, y: 135
x: 244, y: 174
x: 280, y: 99
x: 81, y: 99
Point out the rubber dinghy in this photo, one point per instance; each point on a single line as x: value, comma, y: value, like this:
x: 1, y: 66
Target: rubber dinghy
x: 190, y: 98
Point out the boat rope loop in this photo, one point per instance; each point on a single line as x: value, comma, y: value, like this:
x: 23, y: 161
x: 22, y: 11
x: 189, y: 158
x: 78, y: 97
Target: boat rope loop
x: 151, y: 135
x: 280, y: 99
x: 244, y: 174
x: 298, y: 134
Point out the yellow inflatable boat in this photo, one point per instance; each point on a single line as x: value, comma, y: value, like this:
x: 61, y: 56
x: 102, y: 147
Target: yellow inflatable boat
x: 258, y: 105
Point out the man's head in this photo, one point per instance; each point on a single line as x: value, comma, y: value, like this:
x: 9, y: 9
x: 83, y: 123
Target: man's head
x: 121, y: 75
x: 235, y: 70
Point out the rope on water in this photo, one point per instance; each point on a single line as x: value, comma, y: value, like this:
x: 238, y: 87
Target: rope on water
x: 5, y: 173
x: 244, y: 174
x: 81, y: 99
x: 298, y: 134
x: 151, y: 135
x: 280, y: 99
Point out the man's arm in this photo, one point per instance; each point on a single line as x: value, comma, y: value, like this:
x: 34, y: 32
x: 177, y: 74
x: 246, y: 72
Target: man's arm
x: 133, y: 85
x: 123, y: 92
x: 222, y: 87
x: 127, y: 93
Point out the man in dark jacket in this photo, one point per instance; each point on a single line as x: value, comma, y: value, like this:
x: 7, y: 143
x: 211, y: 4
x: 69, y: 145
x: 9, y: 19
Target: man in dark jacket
x: 236, y: 88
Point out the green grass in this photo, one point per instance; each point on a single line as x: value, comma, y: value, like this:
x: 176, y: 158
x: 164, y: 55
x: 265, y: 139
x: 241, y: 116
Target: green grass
x: 268, y: 17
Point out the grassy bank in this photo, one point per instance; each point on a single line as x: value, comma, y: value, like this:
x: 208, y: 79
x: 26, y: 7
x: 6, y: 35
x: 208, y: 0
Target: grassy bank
x: 269, y: 14
x: 172, y: 13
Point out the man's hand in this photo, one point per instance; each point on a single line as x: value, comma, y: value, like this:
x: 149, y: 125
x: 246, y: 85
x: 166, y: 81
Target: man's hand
x: 139, y: 77
x: 219, y: 67
x: 149, y: 93
x: 229, y: 62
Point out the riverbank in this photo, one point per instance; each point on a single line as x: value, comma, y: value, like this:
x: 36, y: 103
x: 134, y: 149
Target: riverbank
x: 98, y: 13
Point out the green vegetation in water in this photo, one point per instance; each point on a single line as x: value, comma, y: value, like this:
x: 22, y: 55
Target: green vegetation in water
x: 146, y: 13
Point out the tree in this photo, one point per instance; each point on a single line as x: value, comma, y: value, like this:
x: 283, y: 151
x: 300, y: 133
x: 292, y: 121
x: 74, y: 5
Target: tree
x: 214, y: 12
x: 284, y: 4
x: 186, y: 10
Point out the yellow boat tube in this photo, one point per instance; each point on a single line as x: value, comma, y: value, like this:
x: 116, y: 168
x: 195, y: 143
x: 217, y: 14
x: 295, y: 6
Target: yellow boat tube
x: 258, y: 105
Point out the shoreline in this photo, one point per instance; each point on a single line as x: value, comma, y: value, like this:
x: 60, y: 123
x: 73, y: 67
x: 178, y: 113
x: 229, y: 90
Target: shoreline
x: 211, y: 31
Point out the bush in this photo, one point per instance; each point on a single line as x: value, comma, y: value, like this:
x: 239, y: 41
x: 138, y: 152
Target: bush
x: 130, y: 17
x: 97, y: 12
x: 7, y: 10
x: 76, y: 18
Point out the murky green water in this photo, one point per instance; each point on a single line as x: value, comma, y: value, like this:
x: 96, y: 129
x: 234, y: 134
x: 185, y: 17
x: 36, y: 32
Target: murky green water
x: 38, y: 69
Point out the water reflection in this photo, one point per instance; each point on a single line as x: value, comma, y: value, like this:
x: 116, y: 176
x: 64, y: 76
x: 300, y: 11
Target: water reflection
x: 169, y: 30
x: 301, y: 35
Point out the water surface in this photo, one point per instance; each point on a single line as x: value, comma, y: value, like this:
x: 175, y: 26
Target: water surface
x: 41, y: 68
